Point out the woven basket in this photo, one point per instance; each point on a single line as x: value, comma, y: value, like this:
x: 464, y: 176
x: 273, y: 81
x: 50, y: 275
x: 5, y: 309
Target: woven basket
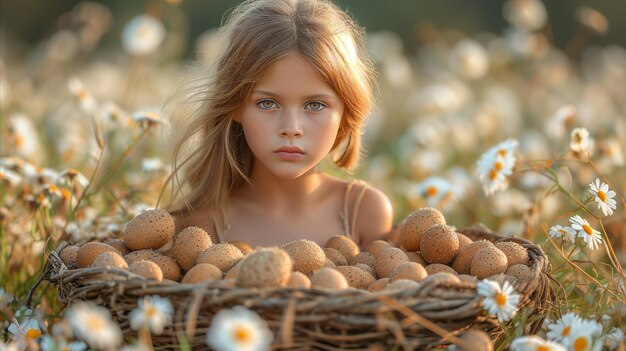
x: 304, y: 319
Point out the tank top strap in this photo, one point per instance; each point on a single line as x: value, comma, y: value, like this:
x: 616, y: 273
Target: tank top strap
x: 348, y: 219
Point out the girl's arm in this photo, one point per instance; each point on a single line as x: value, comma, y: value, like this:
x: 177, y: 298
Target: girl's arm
x: 375, y: 217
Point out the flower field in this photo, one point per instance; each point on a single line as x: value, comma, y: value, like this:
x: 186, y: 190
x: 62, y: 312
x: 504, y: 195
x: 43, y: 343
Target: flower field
x: 504, y: 130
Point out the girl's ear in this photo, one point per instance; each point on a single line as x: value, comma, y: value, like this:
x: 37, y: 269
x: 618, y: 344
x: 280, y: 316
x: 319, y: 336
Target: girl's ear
x: 236, y: 117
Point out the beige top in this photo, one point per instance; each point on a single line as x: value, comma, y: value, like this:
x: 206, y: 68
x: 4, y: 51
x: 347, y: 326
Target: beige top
x: 348, y: 220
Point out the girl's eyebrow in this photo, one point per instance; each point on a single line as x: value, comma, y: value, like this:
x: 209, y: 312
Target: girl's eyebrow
x: 314, y: 96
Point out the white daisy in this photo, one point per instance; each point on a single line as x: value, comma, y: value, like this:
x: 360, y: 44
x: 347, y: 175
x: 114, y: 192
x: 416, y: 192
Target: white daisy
x: 495, y: 165
x: 613, y: 338
x: 534, y: 343
x: 49, y: 343
x: 562, y: 328
x: 28, y: 328
x: 84, y: 97
x: 567, y: 233
x: 604, y: 196
x: 580, y: 142
x: 470, y: 59
x: 142, y: 35
x: 73, y: 176
x: 591, y: 236
x: 10, y: 177
x: 436, y: 191
x: 584, y: 336
x: 239, y: 329
x: 93, y: 325
x: 22, y: 137
x: 148, y: 119
x: 499, y: 300
x: 153, y: 313
x: 525, y: 14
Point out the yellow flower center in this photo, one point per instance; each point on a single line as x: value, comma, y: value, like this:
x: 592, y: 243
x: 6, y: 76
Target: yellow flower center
x: 602, y: 195
x: 95, y: 323
x: 565, y: 331
x: 497, y: 166
x: 500, y: 299
x: 33, y: 333
x: 493, y: 174
x: 502, y: 152
x: 432, y: 190
x: 151, y: 311
x: 580, y: 344
x: 542, y: 348
x: 587, y: 229
x: 19, y: 140
x: 563, y: 231
x: 242, y: 334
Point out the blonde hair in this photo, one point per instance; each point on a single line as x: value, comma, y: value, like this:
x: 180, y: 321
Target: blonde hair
x: 210, y: 156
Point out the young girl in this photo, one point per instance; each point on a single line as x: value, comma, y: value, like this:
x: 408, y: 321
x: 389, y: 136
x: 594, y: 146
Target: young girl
x: 292, y: 86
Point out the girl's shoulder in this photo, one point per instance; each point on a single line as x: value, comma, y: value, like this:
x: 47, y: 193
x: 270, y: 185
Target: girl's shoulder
x: 196, y: 217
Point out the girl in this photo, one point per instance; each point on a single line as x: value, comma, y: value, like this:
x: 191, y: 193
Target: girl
x: 292, y: 86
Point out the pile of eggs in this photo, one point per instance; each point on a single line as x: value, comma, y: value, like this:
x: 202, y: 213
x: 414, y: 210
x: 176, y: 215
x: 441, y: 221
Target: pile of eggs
x: 430, y: 249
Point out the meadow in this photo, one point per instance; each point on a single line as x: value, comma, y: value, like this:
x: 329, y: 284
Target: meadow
x: 82, y: 152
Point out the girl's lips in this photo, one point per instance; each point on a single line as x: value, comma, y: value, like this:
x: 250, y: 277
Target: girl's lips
x: 289, y: 156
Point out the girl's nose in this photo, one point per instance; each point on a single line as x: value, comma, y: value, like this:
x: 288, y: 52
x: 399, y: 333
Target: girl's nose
x: 291, y: 125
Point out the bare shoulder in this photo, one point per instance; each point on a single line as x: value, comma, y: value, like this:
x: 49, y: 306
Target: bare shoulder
x: 375, y: 215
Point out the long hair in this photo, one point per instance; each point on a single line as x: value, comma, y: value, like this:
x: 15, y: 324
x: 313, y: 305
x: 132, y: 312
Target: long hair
x: 210, y: 156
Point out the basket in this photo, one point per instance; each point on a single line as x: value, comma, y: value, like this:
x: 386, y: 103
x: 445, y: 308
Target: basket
x: 303, y: 319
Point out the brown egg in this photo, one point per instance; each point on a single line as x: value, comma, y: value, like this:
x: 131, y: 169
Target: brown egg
x: 140, y: 255
x: 109, y: 259
x: 149, y: 230
x: 169, y: 267
x: 356, y: 277
x: 515, y: 253
x: 368, y: 269
x: 119, y: 245
x: 463, y: 260
x: 68, y: 256
x: 328, y: 279
x: 202, y: 272
x: 147, y: 269
x: 88, y: 253
x: 299, y: 280
x: 463, y: 240
x: 389, y: 259
x: 416, y: 224
x: 408, y: 270
x: 416, y: 257
x: 243, y: 246
x: 223, y: 256
x: 378, y: 285
x: 335, y: 256
x: 521, y: 272
x: 439, y: 244
x: 268, y: 267
x: 441, y: 278
x: 439, y: 268
x: 307, y: 255
x: 344, y: 245
x: 329, y: 263
x: 377, y: 246
x: 488, y: 261
x: 233, y: 272
x: 363, y: 257
x: 476, y: 340
x: 402, y: 284
x: 189, y: 244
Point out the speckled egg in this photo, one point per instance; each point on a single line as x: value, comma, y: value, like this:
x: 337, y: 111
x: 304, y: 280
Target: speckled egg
x: 202, y: 272
x: 463, y: 261
x: 189, y: 244
x: 408, y: 270
x: 488, y: 261
x: 149, y: 230
x: 377, y: 246
x: 307, y: 255
x: 267, y: 267
x: 119, y: 245
x: 435, y: 268
x: 335, y: 256
x: 521, y: 272
x: 343, y: 244
x: 416, y: 224
x: 439, y: 244
x: 378, y: 285
x: 363, y: 257
x: 389, y: 259
x: 68, y: 256
x: 328, y: 279
x: 243, y: 246
x: 515, y: 253
x: 147, y: 269
x: 223, y: 256
x: 356, y: 277
x: 298, y: 280
x: 89, y: 251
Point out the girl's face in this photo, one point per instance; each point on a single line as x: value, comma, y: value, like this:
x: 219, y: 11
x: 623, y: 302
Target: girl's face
x: 291, y: 119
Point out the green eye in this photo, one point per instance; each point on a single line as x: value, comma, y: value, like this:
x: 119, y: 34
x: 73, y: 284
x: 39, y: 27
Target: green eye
x: 315, y: 106
x: 267, y: 104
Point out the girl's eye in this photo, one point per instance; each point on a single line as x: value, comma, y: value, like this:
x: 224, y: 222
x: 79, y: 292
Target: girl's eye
x: 315, y: 106
x: 267, y: 104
